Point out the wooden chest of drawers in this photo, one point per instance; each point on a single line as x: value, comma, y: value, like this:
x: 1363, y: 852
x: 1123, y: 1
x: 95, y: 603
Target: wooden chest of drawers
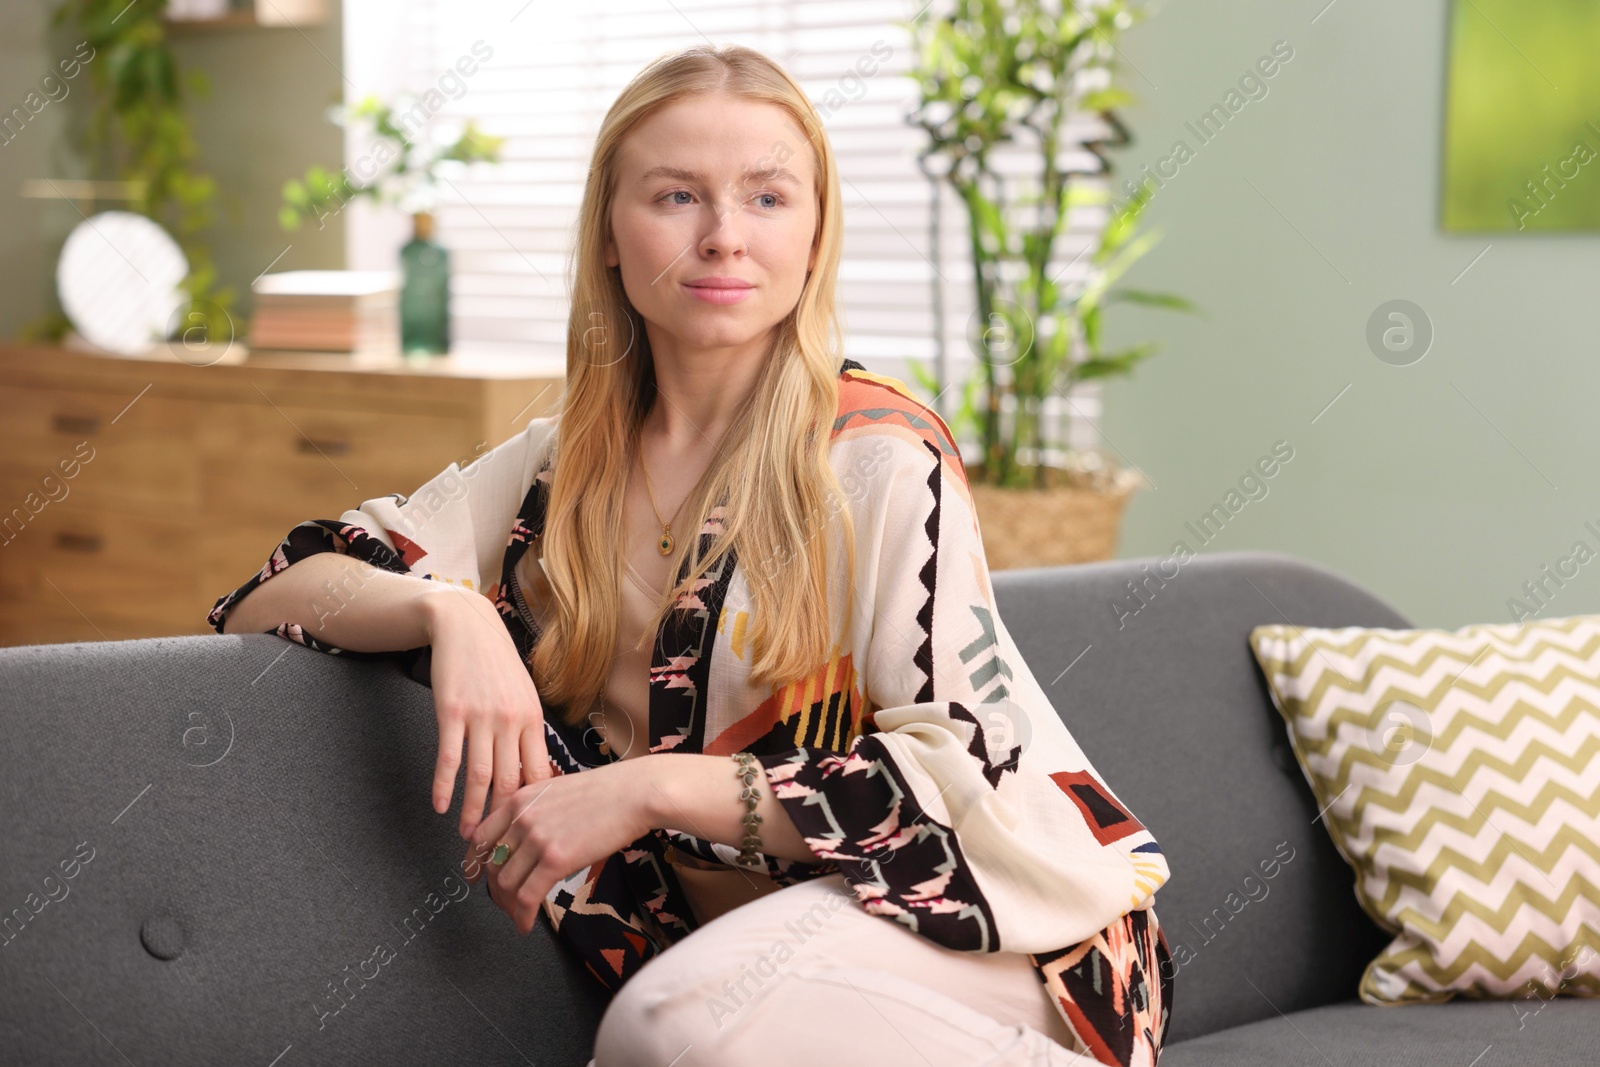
x: 136, y: 491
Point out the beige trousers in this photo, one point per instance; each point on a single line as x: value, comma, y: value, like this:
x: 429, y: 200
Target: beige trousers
x: 805, y: 975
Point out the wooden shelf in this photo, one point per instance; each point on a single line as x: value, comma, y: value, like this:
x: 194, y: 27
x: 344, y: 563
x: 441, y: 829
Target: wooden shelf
x: 464, y: 360
x: 267, y: 14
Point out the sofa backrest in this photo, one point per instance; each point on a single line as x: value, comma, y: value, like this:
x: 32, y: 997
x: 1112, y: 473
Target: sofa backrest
x: 246, y: 822
x: 255, y: 866
x: 1161, y: 691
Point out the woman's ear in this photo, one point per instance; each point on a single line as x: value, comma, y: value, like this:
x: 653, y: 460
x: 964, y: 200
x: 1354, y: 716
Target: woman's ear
x: 609, y: 250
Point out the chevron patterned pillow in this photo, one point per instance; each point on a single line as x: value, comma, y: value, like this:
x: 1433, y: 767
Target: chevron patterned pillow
x: 1458, y: 773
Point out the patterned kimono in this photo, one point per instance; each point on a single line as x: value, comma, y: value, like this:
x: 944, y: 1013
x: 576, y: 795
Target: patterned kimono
x: 923, y: 761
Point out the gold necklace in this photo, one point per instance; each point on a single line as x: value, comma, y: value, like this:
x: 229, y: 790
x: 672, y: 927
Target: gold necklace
x: 665, y: 544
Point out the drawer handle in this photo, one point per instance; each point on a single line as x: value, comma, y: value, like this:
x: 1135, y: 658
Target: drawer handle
x: 326, y: 446
x: 76, y: 542
x: 77, y: 423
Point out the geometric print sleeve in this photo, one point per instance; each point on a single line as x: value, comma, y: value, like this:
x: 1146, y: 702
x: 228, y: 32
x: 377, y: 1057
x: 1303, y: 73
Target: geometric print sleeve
x: 454, y: 528
x: 307, y: 539
x: 964, y: 810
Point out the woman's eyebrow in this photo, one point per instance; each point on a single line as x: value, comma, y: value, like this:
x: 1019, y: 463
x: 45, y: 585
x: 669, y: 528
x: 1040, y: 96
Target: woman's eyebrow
x: 682, y: 175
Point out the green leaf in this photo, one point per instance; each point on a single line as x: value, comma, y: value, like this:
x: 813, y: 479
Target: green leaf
x: 1140, y: 296
x: 1107, y: 99
x: 923, y: 376
x: 1115, y: 363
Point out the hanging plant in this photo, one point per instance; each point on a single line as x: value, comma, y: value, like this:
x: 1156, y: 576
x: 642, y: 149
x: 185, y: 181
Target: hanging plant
x: 140, y: 131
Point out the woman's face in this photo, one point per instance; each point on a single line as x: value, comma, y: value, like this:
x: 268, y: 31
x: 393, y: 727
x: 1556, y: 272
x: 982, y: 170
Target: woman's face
x: 713, y: 186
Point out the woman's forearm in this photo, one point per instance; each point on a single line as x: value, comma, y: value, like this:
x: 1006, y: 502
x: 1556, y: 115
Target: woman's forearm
x: 345, y: 602
x: 699, y: 794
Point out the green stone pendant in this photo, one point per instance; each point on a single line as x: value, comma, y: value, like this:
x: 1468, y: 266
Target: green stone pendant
x: 665, y: 544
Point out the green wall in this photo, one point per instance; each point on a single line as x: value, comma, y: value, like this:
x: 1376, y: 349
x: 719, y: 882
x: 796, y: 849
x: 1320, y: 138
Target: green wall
x: 263, y: 123
x: 29, y: 233
x: 1443, y: 485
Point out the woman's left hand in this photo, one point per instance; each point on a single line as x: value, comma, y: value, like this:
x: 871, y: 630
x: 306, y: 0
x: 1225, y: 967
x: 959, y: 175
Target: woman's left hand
x: 557, y: 827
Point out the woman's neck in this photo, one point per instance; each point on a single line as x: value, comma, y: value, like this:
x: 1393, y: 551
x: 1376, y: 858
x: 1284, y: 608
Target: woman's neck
x: 699, y: 393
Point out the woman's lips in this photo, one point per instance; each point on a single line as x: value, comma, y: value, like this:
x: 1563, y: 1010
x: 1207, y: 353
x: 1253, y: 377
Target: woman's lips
x: 715, y: 295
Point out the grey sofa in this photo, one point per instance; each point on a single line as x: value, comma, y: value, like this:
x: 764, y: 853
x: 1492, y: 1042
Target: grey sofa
x: 246, y: 821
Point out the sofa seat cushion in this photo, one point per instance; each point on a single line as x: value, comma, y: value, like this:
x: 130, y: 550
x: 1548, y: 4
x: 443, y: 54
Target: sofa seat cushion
x: 1557, y: 1032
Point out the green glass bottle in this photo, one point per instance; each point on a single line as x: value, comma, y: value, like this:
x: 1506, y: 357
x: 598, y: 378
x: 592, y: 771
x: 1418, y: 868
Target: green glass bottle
x: 424, y: 291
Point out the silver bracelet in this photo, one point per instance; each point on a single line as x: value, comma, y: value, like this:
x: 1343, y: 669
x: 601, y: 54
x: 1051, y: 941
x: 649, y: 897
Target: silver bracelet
x: 751, y: 795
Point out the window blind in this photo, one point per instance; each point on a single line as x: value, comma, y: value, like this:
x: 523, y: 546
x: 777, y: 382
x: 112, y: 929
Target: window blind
x: 905, y: 277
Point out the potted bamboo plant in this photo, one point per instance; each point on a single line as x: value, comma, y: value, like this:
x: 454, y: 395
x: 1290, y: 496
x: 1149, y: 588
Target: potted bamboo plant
x: 998, y: 78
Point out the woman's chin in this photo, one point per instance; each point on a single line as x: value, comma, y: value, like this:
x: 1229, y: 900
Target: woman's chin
x: 700, y: 335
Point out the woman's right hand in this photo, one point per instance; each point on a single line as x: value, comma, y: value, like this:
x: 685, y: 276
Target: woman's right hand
x: 483, y: 696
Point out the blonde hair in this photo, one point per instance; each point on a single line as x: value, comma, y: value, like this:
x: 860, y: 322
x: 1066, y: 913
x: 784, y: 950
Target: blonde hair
x: 771, y: 469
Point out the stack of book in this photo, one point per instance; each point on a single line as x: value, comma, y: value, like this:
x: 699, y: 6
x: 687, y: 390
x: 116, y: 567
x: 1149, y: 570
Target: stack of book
x: 355, y: 312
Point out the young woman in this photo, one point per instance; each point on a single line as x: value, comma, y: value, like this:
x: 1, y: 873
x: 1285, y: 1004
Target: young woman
x: 759, y: 745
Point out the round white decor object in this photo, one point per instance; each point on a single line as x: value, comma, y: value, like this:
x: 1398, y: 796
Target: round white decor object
x: 118, y: 279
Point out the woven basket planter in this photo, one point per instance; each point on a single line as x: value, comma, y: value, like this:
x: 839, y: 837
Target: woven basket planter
x: 1075, y: 519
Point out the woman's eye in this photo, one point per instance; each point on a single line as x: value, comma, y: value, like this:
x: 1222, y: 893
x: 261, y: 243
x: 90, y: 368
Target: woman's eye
x: 777, y: 200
